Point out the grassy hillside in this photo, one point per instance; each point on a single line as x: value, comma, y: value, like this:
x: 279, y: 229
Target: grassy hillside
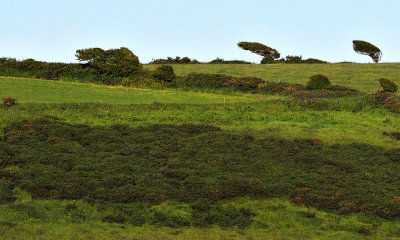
x: 359, y: 76
x: 274, y: 156
x: 45, y: 91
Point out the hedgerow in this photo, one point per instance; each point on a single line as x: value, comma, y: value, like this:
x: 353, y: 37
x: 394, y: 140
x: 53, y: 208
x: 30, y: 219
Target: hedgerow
x: 186, y: 163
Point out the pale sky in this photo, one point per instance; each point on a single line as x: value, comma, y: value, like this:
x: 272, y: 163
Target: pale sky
x: 50, y: 30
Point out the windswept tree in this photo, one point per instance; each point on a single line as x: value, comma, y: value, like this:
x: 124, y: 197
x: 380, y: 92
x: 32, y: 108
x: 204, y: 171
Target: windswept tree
x: 268, y: 53
x: 368, y: 49
x: 115, y: 63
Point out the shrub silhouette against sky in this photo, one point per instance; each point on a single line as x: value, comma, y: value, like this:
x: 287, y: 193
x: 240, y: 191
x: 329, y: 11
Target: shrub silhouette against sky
x: 260, y: 49
x: 368, y: 49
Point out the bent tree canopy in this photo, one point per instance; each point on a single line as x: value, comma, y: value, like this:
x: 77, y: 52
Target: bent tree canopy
x: 260, y: 49
x: 366, y: 48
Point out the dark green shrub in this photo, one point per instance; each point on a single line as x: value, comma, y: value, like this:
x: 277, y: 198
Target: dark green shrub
x: 314, y: 61
x: 164, y: 74
x: 394, y: 135
x: 6, y: 194
x: 162, y: 219
x: 388, y: 85
x: 318, y: 81
x: 222, y: 61
x: 108, y: 64
x: 366, y: 48
x: 364, y: 231
x: 218, y: 81
x: 114, y: 218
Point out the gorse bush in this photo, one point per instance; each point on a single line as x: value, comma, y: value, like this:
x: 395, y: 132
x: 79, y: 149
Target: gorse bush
x: 191, y: 162
x: 388, y: 85
x: 318, y: 81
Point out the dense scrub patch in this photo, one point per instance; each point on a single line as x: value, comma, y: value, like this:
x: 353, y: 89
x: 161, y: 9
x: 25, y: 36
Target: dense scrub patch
x: 319, y: 86
x: 51, y: 159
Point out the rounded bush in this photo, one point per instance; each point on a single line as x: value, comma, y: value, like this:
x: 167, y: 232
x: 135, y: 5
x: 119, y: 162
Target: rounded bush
x: 318, y: 81
x: 388, y: 85
x: 164, y: 74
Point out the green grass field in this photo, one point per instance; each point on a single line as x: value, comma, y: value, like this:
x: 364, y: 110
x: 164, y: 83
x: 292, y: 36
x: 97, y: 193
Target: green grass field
x: 333, y: 121
x: 359, y: 76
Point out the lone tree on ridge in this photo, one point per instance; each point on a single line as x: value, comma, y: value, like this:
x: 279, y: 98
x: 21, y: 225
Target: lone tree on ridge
x: 367, y: 48
x: 260, y: 49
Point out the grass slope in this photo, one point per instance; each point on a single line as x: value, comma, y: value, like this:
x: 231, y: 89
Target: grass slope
x: 359, y: 76
x: 45, y: 91
x: 334, y: 121
x: 276, y: 219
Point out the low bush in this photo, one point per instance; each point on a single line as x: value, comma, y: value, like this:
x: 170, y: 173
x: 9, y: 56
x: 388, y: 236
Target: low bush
x: 218, y: 81
x: 392, y: 103
x: 318, y: 81
x: 388, y: 85
x: 164, y: 74
x: 6, y: 194
x: 394, y: 135
x: 222, y: 61
x: 176, y: 60
x: 9, y: 101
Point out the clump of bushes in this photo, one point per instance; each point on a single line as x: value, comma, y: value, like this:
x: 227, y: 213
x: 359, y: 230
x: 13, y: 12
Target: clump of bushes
x: 394, y: 135
x: 318, y: 81
x: 387, y: 97
x: 9, y: 101
x: 176, y: 60
x: 218, y: 81
x: 222, y: 61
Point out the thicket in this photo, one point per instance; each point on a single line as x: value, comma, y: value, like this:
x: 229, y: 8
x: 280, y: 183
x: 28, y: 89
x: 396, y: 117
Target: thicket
x: 176, y: 60
x: 164, y: 74
x: 222, y: 61
x: 97, y: 65
x: 118, y: 164
x: 256, y: 85
x: 292, y: 60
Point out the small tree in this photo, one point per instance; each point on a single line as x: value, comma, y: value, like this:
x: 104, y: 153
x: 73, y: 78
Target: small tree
x: 164, y: 74
x: 268, y: 53
x: 368, y: 49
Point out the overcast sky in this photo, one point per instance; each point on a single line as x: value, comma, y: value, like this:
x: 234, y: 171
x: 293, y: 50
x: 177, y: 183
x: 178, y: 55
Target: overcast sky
x: 52, y: 30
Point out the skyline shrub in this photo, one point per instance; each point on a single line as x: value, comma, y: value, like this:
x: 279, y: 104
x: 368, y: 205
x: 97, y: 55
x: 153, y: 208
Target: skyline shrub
x: 366, y: 48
